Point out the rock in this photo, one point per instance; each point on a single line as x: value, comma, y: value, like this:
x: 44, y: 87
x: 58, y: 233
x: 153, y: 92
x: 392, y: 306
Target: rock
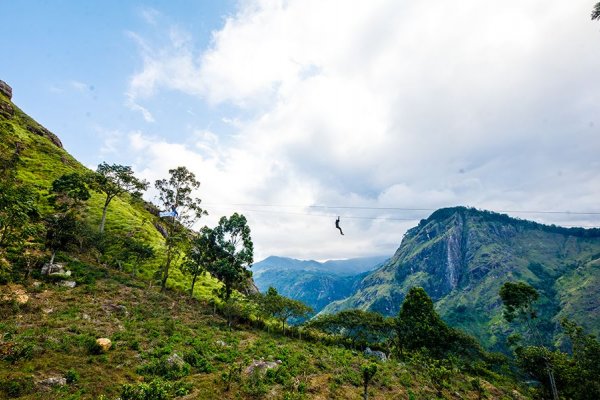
x: 54, y: 269
x: 175, y: 361
x: 41, y: 131
x: 377, y: 354
x: 261, y: 366
x: 6, y: 110
x: 104, y: 344
x: 53, y: 381
x: 221, y: 343
x: 67, y: 284
x: 86, y: 317
x: 48, y: 310
x: 5, y: 89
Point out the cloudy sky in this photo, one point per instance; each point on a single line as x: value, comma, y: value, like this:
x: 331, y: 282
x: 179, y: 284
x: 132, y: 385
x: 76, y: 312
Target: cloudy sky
x: 294, y: 112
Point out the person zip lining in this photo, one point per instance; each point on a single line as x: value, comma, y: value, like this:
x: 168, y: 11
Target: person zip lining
x: 337, y: 225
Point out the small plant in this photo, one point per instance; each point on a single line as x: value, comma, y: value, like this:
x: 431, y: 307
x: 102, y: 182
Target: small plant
x: 17, y: 387
x: 71, y: 376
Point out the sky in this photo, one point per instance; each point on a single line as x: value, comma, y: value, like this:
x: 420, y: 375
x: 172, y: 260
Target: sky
x: 296, y: 112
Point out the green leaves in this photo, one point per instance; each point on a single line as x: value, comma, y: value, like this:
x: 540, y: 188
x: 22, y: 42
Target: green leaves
x: 518, y: 299
x: 229, y: 252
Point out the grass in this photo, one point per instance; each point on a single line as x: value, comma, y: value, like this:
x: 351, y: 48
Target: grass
x: 54, y: 335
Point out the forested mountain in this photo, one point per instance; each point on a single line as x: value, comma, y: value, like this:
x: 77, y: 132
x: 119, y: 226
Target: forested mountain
x: 314, y: 283
x: 461, y: 256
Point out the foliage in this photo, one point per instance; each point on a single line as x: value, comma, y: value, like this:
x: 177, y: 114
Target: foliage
x: 68, y: 191
x: 175, y: 195
x: 200, y: 253
x: 518, y: 299
x: 231, y: 253
x: 282, y: 308
x: 362, y: 328
x: 419, y: 326
x: 114, y: 180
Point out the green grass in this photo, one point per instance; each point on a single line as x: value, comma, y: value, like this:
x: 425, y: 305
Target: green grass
x: 54, y: 335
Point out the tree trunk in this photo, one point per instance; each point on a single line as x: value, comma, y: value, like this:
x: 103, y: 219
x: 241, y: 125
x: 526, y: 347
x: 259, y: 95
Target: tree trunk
x: 192, y: 289
x: 52, y: 257
x: 366, y: 392
x: 165, y: 276
x: 103, y: 220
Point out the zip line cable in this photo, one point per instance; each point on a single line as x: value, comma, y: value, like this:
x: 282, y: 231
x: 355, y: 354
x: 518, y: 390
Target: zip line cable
x: 402, y: 208
x: 371, y: 208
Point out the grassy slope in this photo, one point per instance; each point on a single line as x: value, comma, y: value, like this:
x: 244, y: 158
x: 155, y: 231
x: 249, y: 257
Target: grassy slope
x: 43, y: 162
x: 57, y: 324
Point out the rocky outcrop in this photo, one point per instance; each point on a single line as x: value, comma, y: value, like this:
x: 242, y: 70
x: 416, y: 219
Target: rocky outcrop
x: 41, y: 131
x: 261, y: 366
x: 6, y: 110
x: 5, y: 89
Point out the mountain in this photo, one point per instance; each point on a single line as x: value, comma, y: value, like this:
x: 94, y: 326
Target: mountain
x: 314, y: 283
x: 461, y: 256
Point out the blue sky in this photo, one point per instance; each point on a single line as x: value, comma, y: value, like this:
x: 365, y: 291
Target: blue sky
x: 372, y: 109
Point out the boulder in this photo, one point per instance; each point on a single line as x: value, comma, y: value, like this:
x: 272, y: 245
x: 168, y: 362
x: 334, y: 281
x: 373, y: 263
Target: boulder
x: 104, y: 344
x: 67, y: 284
x: 261, y: 366
x: 55, y: 269
x: 53, y: 381
x: 376, y: 354
x: 5, y: 89
x: 41, y: 131
x: 175, y: 361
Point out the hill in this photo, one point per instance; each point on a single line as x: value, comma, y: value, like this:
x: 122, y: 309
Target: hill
x: 48, y: 349
x: 314, y: 283
x: 42, y: 159
x: 461, y: 256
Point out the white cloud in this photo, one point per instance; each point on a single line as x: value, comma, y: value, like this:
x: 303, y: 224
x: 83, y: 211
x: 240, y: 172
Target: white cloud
x: 386, y: 104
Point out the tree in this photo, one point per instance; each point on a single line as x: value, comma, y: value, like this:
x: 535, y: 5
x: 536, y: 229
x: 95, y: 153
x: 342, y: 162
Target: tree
x: 368, y: 372
x: 232, y: 254
x: 363, y: 328
x: 419, y: 326
x: 67, y: 195
x: 200, y: 254
x: 114, y: 180
x: 283, y: 308
x: 175, y: 195
x: 518, y: 299
x: 596, y: 12
x: 68, y: 191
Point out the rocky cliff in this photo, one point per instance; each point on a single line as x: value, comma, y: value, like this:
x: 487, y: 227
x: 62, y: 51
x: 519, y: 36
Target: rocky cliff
x: 9, y: 111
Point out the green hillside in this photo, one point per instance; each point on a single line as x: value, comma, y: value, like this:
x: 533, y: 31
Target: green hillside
x: 462, y: 256
x: 42, y: 159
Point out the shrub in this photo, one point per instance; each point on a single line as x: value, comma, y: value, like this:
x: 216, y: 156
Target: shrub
x: 17, y: 387
x: 155, y: 390
x: 71, y: 376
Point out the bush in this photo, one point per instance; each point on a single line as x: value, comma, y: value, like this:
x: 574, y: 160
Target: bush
x: 155, y: 390
x: 17, y: 387
x: 197, y: 361
x: 71, y: 376
x: 165, y: 368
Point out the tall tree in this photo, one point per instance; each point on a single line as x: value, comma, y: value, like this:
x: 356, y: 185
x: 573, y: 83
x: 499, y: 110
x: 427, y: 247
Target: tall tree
x: 233, y: 254
x: 418, y: 325
x: 518, y: 299
x: 175, y: 196
x: 368, y: 372
x: 114, y: 180
x: 201, y: 253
